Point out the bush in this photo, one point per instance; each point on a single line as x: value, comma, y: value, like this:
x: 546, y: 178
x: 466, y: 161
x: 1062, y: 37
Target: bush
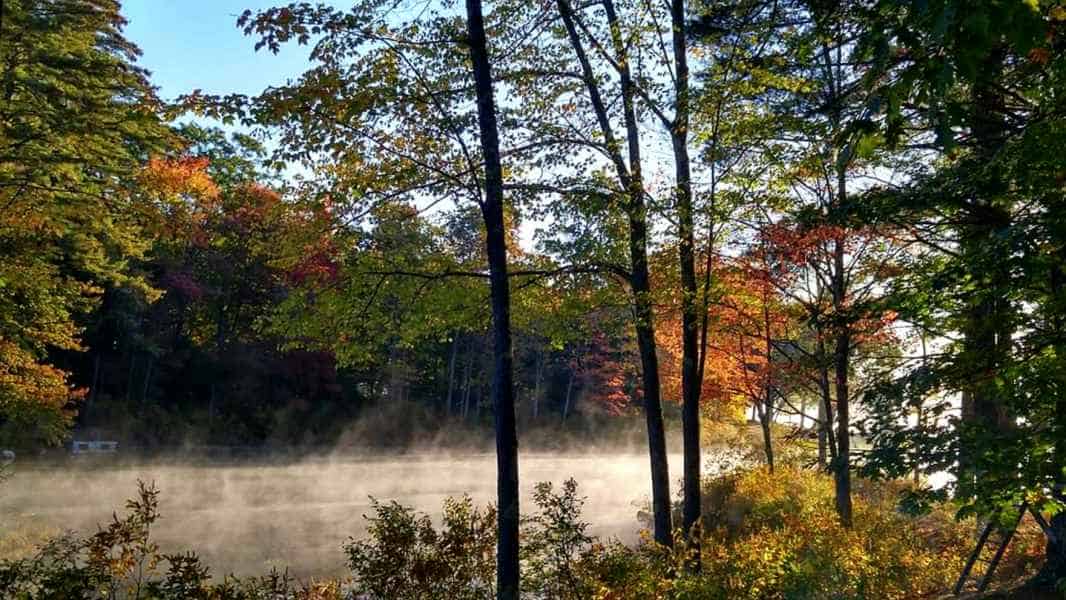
x: 765, y: 536
x: 121, y: 562
x: 777, y: 536
x: 404, y: 557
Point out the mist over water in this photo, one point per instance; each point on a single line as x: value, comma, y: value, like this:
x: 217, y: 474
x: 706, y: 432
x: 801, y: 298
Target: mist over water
x: 246, y: 518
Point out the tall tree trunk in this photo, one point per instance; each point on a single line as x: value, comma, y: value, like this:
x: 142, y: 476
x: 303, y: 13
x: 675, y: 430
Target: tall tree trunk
x: 536, y: 388
x: 569, y: 392
x: 825, y: 409
x: 464, y: 409
x: 822, y: 459
x: 766, y: 415
x: 986, y: 331
x: 631, y: 179
x: 690, y: 384
x: 507, y: 576
x: 765, y: 419
x: 841, y: 363
x: 653, y: 411
x: 451, y: 375
x: 1054, y: 568
x: 147, y: 379
x: 211, y: 408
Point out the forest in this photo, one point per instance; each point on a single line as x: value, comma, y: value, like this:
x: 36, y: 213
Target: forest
x: 806, y: 259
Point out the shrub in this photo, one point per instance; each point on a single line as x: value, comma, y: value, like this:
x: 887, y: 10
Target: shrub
x: 404, y: 557
x: 765, y: 536
x: 121, y: 562
x: 555, y: 544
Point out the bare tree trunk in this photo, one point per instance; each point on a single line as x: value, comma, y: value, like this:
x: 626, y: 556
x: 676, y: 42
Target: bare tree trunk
x: 147, y: 379
x: 536, y: 390
x: 211, y: 408
x: 507, y: 574
x: 466, y: 387
x: 767, y: 414
x: 826, y: 406
x: 569, y: 391
x: 451, y: 375
x: 1054, y: 569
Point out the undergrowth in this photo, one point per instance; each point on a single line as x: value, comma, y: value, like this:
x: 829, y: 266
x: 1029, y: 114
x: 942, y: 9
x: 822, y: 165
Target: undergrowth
x: 764, y: 536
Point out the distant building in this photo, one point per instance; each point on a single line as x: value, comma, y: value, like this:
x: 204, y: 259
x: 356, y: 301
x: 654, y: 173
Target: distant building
x: 78, y: 447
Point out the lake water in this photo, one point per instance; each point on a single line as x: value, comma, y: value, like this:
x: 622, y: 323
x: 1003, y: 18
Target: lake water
x: 246, y: 518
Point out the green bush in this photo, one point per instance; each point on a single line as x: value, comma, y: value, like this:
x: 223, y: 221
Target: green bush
x: 405, y: 557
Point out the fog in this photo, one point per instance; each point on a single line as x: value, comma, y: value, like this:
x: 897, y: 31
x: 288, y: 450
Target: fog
x: 246, y: 518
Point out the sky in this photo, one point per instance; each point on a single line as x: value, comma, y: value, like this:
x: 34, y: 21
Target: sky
x: 195, y: 44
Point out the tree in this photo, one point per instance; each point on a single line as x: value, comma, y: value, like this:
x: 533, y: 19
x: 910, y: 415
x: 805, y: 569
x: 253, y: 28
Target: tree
x: 632, y: 188
x: 78, y: 119
x: 503, y: 375
x: 980, y: 84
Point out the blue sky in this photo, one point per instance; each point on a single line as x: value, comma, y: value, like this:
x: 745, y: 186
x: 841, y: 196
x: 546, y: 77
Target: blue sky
x: 190, y: 44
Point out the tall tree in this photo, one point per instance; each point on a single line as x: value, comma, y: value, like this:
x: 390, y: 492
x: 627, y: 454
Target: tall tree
x: 690, y: 383
x: 77, y: 120
x: 980, y: 83
x: 631, y: 182
x: 503, y: 375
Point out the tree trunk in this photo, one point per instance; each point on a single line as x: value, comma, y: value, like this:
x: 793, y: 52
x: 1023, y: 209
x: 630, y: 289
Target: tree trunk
x: 765, y: 418
x: 147, y: 379
x: 825, y: 409
x: 767, y: 413
x: 822, y: 460
x: 466, y: 387
x: 841, y: 363
x: 690, y: 384
x: 768, y: 445
x: 1054, y: 568
x: 451, y: 376
x: 507, y: 576
x: 536, y: 389
x: 569, y: 391
x: 211, y: 408
x: 632, y: 183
